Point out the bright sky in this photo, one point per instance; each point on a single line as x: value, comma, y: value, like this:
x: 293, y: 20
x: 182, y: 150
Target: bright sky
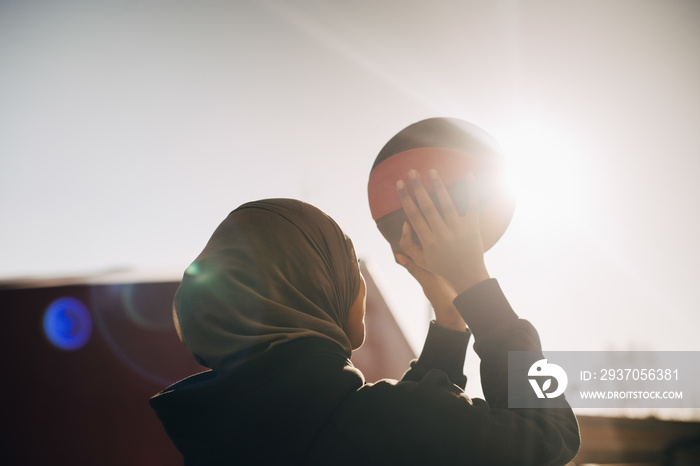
x: 128, y: 131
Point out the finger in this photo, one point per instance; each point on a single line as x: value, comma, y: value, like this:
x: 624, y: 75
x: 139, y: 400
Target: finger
x: 412, y: 212
x: 412, y: 250
x: 444, y: 199
x: 425, y: 202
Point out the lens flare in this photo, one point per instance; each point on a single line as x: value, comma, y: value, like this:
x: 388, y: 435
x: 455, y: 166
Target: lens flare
x: 67, y: 324
x: 548, y: 176
x: 135, y: 320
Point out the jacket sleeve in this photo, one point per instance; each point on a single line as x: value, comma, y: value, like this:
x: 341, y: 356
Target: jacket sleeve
x: 427, y: 419
x: 498, y: 330
x: 444, y: 349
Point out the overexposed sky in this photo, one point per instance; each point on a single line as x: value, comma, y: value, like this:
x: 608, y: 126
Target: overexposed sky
x: 129, y: 130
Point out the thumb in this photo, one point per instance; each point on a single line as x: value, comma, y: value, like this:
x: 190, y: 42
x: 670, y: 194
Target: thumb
x: 411, y: 249
x: 402, y: 259
x: 418, y: 272
x: 406, y: 262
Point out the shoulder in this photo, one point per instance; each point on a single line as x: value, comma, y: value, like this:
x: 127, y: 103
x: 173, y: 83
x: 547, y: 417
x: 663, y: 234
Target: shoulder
x: 399, y: 422
x: 434, y: 385
x: 408, y: 412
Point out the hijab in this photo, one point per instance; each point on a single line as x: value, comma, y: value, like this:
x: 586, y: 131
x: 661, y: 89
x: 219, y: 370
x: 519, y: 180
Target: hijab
x: 274, y: 271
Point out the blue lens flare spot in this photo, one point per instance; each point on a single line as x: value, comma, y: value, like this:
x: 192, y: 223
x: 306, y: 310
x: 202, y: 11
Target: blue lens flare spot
x: 67, y: 323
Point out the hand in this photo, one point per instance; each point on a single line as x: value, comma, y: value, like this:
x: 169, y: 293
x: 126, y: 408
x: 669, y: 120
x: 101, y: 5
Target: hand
x: 438, y: 291
x: 450, y: 247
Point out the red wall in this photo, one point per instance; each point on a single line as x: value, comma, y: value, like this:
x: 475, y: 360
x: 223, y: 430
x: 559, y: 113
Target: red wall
x: 89, y: 406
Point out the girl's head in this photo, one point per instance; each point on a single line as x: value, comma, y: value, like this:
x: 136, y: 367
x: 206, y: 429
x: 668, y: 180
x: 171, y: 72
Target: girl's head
x: 275, y: 270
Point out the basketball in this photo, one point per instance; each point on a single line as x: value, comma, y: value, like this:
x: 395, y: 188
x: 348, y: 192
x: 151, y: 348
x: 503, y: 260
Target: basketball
x: 454, y: 148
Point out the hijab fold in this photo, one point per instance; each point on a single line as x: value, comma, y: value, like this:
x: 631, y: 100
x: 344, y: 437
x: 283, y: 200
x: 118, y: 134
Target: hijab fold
x: 274, y: 271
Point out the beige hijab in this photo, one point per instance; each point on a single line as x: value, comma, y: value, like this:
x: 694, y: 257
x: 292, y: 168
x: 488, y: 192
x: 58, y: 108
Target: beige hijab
x: 274, y: 271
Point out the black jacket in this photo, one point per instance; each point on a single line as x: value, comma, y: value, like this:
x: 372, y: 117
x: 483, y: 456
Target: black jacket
x: 303, y: 403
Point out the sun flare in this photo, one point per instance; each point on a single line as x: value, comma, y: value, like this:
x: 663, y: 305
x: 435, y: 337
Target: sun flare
x: 547, y: 176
